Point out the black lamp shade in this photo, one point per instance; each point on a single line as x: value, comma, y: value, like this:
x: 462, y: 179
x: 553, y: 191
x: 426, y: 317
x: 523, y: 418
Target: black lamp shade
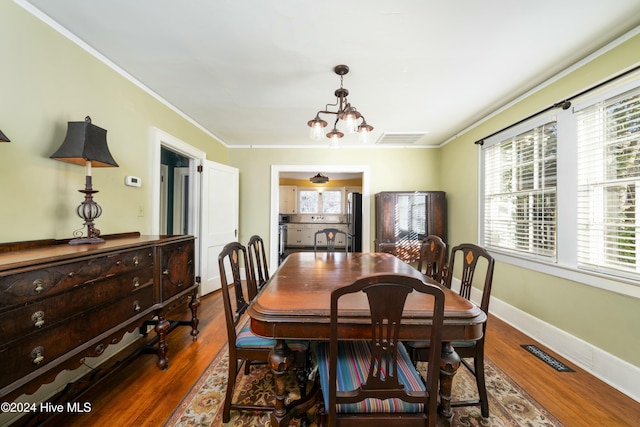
x: 3, y: 137
x: 85, y: 142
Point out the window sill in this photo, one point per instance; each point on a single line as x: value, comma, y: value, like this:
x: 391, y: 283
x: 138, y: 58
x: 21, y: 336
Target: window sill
x: 618, y: 285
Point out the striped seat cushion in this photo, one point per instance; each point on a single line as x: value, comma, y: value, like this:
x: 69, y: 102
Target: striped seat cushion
x: 353, y: 367
x: 247, y: 339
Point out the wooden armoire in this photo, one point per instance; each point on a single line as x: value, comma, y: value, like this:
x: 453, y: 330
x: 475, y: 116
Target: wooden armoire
x: 404, y: 218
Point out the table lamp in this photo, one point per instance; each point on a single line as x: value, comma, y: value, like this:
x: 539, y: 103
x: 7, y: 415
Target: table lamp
x: 86, y: 145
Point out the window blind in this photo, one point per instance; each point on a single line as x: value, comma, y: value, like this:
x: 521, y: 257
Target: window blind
x: 520, y: 177
x: 608, y: 180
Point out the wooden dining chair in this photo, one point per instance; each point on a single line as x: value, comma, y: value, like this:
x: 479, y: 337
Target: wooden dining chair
x: 330, y: 235
x: 468, y: 257
x: 433, y: 258
x: 373, y: 382
x: 245, y: 348
x: 258, y: 261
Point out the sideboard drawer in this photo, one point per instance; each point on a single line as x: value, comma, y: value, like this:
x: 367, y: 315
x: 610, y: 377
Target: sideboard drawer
x: 46, y: 313
x: 44, y: 281
x: 35, y: 351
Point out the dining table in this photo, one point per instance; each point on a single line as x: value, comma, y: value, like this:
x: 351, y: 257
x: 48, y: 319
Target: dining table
x: 295, y: 304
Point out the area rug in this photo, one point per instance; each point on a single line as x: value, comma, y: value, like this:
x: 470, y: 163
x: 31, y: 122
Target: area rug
x: 509, y: 404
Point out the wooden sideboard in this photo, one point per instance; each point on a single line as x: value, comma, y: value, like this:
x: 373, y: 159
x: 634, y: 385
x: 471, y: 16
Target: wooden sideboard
x: 60, y: 303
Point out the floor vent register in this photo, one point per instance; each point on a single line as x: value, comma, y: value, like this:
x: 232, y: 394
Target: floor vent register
x: 546, y: 358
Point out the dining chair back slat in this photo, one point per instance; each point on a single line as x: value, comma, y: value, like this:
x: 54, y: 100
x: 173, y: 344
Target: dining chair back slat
x: 258, y: 261
x: 433, y: 258
x: 330, y: 235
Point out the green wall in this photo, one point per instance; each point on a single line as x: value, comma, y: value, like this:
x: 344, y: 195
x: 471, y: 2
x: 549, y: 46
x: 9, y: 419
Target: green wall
x: 47, y: 81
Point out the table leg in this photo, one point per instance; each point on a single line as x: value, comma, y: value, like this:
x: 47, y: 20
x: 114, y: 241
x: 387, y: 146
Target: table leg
x: 449, y: 364
x: 280, y: 359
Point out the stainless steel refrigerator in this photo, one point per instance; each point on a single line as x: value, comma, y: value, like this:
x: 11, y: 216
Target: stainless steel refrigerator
x: 354, y: 221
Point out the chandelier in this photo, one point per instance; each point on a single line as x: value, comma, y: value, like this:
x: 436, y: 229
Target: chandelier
x: 319, y: 179
x: 346, y: 112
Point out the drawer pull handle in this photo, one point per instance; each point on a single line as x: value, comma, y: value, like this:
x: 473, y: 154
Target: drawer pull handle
x: 136, y: 282
x: 38, y: 286
x: 136, y: 261
x: 71, y: 274
x: 38, y: 319
x: 136, y: 306
x: 37, y: 355
x: 166, y: 272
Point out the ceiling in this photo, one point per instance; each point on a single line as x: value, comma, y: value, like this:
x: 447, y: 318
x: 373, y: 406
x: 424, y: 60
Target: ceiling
x: 253, y: 72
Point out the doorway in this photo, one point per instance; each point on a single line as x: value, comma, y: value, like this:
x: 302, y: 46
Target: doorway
x: 174, y: 193
x: 200, y: 187
x: 277, y: 170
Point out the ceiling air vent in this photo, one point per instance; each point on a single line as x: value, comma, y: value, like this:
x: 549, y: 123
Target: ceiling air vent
x: 400, y: 138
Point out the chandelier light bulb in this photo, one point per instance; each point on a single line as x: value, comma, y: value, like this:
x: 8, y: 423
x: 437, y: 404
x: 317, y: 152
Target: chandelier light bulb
x: 363, y: 136
x: 316, y: 132
x: 364, y: 130
x: 316, y: 125
x: 350, y: 124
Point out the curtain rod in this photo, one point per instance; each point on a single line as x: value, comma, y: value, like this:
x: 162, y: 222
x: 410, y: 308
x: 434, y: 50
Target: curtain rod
x: 564, y: 104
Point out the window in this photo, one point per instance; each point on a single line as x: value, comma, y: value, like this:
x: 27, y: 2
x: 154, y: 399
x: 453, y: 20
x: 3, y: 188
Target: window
x: 520, y: 192
x: 559, y: 193
x: 312, y: 201
x: 308, y: 203
x: 608, y: 135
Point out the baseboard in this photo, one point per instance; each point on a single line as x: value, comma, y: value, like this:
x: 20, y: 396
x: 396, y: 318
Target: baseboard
x: 614, y: 371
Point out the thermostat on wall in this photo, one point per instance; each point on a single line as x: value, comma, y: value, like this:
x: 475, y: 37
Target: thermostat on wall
x: 133, y: 181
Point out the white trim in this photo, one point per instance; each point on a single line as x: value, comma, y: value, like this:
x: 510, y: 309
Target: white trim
x: 618, y: 373
x: 275, y: 201
x: 316, y: 146
x: 532, y: 123
x: 160, y: 138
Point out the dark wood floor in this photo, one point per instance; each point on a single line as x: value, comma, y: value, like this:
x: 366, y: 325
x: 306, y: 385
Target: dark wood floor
x: 141, y: 395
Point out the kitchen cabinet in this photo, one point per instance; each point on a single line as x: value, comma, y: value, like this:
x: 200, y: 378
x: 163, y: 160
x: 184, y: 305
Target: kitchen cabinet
x: 303, y: 235
x: 288, y: 203
x: 404, y: 218
x: 300, y: 235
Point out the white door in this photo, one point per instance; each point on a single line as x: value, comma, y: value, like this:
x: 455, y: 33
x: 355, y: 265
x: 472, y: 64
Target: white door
x: 219, y: 221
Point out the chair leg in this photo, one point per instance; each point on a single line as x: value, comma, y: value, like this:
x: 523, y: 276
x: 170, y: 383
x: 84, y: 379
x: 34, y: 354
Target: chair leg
x: 231, y: 383
x: 482, y: 388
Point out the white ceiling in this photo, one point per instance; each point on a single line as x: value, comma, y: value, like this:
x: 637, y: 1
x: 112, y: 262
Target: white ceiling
x: 253, y: 72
